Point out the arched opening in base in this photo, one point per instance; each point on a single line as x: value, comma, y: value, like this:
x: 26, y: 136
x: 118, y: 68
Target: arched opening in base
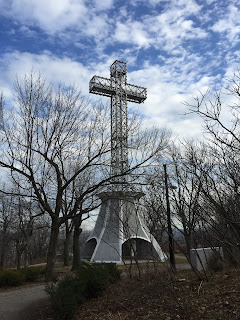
x: 136, y: 248
x: 89, y: 248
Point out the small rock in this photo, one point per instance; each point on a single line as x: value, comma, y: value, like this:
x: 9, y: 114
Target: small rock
x: 181, y: 280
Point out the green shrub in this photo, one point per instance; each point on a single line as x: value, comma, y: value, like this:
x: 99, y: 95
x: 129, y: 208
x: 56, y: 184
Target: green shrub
x: 17, y: 277
x: 32, y: 274
x: 93, y: 281
x: 66, y: 295
x: 112, y: 271
x: 89, y: 281
x: 215, y: 263
x: 11, y: 278
x: 97, y: 277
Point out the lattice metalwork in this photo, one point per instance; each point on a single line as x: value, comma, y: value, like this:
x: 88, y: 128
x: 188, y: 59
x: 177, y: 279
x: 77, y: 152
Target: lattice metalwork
x: 120, y: 92
x: 1, y: 113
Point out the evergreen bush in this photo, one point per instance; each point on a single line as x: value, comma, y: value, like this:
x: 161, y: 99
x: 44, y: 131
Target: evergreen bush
x: 112, y: 271
x: 32, y: 274
x: 12, y: 278
x: 66, y: 295
x: 88, y: 282
x: 215, y: 263
x: 97, y: 277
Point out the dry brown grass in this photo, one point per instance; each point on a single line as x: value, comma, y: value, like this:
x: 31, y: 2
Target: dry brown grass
x: 161, y: 295
x: 166, y: 296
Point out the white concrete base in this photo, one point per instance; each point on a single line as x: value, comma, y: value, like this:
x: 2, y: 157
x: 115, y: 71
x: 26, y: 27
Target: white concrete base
x: 120, y: 232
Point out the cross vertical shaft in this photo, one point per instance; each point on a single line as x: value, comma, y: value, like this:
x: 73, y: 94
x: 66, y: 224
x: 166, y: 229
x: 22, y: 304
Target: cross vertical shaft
x: 1, y: 113
x: 120, y: 92
x: 119, y: 120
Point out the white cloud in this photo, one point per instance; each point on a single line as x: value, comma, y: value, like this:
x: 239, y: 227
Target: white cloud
x: 169, y: 30
x: 89, y: 19
x: 132, y: 32
x: 50, y: 15
x: 170, y: 79
x: 103, y: 4
x: 53, y: 68
x: 168, y: 87
x: 189, y: 128
x: 6, y: 91
x: 166, y: 30
x: 155, y: 2
x: 97, y: 27
x: 54, y: 16
x: 162, y: 106
x: 229, y: 24
x: 27, y: 31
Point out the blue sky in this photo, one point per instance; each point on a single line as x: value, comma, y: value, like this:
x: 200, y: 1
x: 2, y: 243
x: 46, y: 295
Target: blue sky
x: 172, y: 47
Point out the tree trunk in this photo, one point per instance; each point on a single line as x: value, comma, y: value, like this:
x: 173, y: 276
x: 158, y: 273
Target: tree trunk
x: 66, y: 248
x: 4, y: 247
x: 26, y: 253
x: 3, y: 256
x: 52, y: 250
x: 19, y: 255
x: 188, y: 241
x: 187, y: 233
x: 76, y: 243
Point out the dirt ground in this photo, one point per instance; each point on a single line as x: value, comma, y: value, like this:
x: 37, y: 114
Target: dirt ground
x: 156, y: 296
x: 166, y: 296
x: 15, y: 302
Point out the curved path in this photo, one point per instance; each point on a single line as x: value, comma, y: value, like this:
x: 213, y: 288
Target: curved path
x: 14, y: 301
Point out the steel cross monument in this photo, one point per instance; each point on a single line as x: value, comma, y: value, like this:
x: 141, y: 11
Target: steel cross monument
x: 120, y: 92
x: 120, y: 232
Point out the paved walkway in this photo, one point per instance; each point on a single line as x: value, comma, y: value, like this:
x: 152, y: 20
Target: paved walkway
x: 14, y: 301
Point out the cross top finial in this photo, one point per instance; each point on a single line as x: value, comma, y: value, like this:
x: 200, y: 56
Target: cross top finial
x: 118, y: 68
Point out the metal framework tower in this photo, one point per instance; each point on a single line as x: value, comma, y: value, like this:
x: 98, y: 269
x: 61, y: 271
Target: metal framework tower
x: 1, y: 113
x: 120, y: 232
x: 120, y: 92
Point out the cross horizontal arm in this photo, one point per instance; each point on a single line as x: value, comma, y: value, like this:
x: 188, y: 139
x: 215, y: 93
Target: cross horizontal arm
x: 105, y: 87
x: 102, y: 86
x: 135, y: 93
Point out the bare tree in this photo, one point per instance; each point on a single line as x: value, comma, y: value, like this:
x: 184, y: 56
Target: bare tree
x: 68, y: 226
x: 185, y: 196
x: 49, y: 127
x: 217, y: 170
x: 52, y: 129
x: 6, y: 227
x: 40, y: 240
x: 154, y: 202
x: 220, y: 116
x: 24, y: 216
